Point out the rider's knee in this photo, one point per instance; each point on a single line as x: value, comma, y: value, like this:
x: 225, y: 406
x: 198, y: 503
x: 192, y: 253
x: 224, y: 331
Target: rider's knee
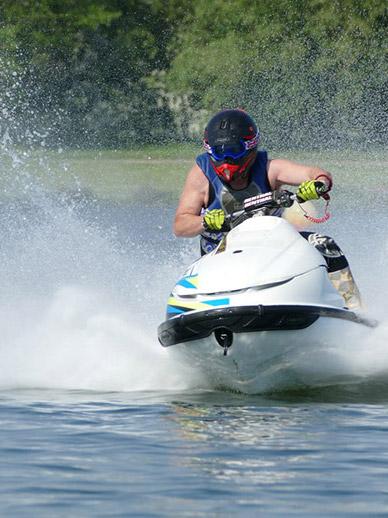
x: 330, y: 250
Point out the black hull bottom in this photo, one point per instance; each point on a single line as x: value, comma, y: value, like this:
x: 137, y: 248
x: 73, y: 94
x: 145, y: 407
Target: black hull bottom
x: 245, y: 319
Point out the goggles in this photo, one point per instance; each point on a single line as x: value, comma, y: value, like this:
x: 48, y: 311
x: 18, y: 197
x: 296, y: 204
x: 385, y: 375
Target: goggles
x: 235, y: 151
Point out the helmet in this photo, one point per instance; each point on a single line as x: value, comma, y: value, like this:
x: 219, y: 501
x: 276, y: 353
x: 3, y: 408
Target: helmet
x: 231, y: 139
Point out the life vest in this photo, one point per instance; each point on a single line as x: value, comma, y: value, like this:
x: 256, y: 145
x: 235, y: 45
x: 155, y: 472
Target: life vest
x: 221, y: 196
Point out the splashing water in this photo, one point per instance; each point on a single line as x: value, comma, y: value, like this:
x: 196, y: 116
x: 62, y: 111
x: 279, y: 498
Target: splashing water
x: 81, y: 301
x: 74, y: 298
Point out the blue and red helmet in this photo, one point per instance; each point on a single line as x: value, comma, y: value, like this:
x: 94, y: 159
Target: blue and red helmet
x: 231, y: 139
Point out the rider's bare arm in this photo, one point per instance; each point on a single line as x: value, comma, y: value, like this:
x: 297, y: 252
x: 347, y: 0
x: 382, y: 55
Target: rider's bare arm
x: 188, y: 222
x: 286, y: 172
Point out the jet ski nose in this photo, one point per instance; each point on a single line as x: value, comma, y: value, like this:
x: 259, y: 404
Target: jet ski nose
x: 224, y: 337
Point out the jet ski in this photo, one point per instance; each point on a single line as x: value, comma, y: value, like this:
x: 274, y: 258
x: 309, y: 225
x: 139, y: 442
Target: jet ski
x: 237, y: 311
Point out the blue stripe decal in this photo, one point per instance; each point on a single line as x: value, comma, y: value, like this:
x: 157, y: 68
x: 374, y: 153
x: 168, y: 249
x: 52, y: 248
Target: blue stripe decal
x: 171, y: 309
x: 185, y: 282
x: 218, y: 302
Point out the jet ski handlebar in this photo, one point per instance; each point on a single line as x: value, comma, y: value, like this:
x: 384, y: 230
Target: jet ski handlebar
x: 274, y: 199
x: 268, y: 200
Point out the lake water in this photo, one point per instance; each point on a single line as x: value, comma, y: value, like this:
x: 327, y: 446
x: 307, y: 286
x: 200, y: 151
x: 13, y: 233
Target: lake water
x: 96, y: 419
x: 158, y: 453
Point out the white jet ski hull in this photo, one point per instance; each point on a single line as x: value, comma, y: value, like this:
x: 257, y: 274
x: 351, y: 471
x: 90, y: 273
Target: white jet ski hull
x: 238, y: 313
x: 269, y: 361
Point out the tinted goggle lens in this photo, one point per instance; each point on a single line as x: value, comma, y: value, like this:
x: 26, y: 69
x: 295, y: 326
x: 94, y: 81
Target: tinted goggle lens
x: 232, y: 151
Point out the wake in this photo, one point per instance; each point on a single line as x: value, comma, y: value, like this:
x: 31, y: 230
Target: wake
x: 80, y: 302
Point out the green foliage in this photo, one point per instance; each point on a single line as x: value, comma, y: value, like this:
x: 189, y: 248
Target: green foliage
x: 82, y: 68
x: 312, y: 72
x: 119, y: 72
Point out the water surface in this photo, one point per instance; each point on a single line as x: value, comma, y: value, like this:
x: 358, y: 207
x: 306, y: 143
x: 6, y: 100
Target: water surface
x: 96, y: 420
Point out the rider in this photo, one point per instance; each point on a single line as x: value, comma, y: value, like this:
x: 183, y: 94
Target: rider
x: 231, y: 170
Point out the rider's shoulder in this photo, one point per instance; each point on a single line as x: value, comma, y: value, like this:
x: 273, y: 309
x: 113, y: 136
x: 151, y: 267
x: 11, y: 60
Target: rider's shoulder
x: 280, y: 164
x: 202, y: 160
x: 196, y: 175
x: 279, y: 161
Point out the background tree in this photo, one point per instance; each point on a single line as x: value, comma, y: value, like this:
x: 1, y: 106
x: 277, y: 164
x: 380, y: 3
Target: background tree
x: 119, y: 72
x: 81, y: 68
x: 312, y: 72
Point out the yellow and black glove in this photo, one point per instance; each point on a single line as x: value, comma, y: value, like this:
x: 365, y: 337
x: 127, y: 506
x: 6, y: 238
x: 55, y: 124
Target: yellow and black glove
x: 214, y: 219
x: 311, y: 190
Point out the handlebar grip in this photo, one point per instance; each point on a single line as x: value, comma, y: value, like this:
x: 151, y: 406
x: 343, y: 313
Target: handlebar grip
x: 322, y: 190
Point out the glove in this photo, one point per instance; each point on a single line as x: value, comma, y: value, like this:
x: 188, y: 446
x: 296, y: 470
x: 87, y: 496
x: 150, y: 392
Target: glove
x: 311, y: 190
x: 213, y: 219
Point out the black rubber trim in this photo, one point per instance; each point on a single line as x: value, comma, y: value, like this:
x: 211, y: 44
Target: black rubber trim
x: 201, y: 324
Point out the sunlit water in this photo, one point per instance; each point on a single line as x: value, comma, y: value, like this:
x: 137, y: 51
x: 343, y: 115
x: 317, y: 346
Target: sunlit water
x: 96, y: 419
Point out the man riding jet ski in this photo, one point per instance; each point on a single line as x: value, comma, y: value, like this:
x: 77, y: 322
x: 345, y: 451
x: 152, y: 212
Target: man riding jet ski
x: 233, y: 169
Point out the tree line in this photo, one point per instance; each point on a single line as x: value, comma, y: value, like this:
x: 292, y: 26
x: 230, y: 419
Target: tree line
x: 118, y: 73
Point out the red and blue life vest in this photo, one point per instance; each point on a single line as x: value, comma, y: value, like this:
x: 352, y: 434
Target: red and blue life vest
x: 221, y: 196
